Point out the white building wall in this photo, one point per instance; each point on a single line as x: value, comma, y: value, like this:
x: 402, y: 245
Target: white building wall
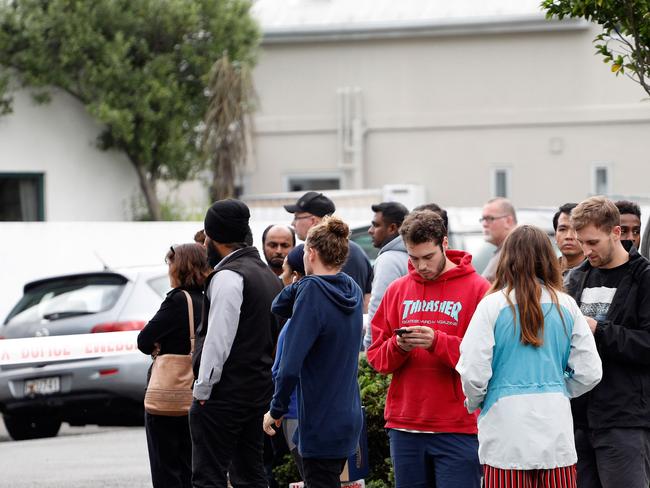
x: 58, y: 139
x: 444, y: 111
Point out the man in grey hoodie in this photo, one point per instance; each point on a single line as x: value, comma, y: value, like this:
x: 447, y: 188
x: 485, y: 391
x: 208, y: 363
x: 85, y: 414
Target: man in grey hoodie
x: 392, y: 261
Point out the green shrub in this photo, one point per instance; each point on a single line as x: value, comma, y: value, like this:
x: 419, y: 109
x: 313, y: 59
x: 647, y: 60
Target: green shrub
x: 374, y: 387
x: 287, y: 472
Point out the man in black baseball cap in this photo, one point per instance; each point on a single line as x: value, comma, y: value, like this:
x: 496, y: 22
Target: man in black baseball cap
x: 314, y: 203
x: 308, y: 211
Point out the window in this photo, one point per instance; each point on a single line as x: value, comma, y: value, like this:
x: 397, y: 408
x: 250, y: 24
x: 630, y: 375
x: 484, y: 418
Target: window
x: 500, y: 182
x: 21, y: 197
x: 313, y: 182
x: 600, y: 179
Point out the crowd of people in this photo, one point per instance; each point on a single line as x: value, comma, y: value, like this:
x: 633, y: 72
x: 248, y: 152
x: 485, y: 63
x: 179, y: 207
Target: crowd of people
x: 533, y: 373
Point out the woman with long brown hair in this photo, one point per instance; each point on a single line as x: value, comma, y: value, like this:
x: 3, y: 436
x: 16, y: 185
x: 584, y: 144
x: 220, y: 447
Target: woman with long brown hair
x: 168, y: 438
x: 526, y: 352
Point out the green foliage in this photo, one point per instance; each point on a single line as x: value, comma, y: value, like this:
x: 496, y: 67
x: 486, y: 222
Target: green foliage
x: 373, y: 387
x: 141, y: 67
x: 625, y: 41
x: 287, y: 472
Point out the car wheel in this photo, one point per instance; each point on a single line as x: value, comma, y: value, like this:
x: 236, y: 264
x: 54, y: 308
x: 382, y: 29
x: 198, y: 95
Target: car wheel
x: 21, y: 427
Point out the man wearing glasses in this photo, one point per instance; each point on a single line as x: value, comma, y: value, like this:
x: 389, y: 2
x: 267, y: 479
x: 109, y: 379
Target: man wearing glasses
x: 498, y: 220
x: 308, y: 211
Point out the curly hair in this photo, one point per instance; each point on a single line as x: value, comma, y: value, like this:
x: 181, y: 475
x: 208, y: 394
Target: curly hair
x: 628, y: 207
x: 423, y: 226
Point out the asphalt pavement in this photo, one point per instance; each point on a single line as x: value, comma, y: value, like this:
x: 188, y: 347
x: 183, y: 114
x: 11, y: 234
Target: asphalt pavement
x: 79, y: 457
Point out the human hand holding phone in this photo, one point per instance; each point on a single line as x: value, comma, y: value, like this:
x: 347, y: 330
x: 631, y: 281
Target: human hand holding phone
x: 402, y: 331
x: 416, y: 336
x: 401, y: 334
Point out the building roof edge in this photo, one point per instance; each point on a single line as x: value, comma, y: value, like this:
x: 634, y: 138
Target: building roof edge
x: 425, y: 28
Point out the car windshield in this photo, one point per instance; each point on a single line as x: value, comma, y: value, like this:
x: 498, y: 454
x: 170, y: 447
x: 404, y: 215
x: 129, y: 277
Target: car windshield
x: 360, y: 236
x: 67, y: 297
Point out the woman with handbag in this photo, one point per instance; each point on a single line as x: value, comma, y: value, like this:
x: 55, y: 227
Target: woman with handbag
x: 169, y: 336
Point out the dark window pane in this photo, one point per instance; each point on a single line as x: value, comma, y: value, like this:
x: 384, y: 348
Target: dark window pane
x: 316, y: 184
x: 601, y: 181
x: 501, y: 183
x: 21, y: 197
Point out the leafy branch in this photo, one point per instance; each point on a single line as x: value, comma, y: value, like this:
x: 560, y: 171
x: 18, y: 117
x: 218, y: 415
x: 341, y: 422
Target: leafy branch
x: 625, y: 40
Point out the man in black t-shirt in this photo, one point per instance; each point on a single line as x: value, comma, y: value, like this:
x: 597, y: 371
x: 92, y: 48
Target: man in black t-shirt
x: 612, y: 288
x: 308, y: 211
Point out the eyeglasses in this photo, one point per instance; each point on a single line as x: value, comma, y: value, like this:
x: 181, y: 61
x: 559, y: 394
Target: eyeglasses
x: 489, y: 219
x: 303, y: 217
x: 170, y: 254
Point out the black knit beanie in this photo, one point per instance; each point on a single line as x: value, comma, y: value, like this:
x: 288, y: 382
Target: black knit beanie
x: 226, y: 221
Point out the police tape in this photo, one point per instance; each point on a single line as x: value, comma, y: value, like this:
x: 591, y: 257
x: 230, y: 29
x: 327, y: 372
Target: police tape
x: 67, y: 347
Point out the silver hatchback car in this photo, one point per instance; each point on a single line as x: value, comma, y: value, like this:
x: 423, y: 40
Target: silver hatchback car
x: 35, y: 398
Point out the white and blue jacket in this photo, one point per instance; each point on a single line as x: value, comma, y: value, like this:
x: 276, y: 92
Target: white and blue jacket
x: 523, y: 391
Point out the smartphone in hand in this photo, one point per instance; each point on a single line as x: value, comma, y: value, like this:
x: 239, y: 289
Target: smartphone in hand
x: 402, y: 331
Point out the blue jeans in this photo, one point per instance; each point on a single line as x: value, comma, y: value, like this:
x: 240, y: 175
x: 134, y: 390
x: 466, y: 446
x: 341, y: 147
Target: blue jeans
x: 435, y: 460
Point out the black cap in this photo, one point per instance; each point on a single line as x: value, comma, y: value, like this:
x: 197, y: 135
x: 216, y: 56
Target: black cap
x: 314, y: 203
x: 226, y: 221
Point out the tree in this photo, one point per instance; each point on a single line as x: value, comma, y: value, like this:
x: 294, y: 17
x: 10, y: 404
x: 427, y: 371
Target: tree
x: 140, y: 67
x: 228, y: 122
x: 625, y: 41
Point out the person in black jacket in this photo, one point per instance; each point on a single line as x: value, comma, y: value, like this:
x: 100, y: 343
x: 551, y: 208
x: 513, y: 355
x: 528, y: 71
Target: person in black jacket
x: 612, y: 288
x: 233, y: 356
x: 168, y: 438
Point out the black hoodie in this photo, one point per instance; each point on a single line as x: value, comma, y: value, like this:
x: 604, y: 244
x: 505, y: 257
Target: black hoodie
x: 622, y: 399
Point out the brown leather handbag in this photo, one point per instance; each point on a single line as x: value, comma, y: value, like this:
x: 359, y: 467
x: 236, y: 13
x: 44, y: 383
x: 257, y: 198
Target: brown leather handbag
x: 169, y: 391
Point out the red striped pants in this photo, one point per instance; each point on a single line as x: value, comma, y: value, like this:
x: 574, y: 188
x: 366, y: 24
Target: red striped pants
x: 535, y: 478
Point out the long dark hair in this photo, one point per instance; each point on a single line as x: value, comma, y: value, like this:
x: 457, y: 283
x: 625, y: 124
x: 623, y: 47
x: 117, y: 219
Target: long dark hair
x: 527, y: 262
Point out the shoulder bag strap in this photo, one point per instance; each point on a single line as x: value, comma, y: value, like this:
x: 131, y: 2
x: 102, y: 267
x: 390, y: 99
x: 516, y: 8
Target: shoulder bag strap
x: 190, y: 310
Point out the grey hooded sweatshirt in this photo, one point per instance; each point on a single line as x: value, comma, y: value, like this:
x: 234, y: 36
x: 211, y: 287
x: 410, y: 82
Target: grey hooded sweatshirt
x: 391, y: 263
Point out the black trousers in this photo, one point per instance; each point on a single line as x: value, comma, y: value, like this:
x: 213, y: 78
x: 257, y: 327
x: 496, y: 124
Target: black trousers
x: 323, y: 473
x: 613, y: 458
x: 227, y: 441
x: 275, y: 448
x: 170, y: 451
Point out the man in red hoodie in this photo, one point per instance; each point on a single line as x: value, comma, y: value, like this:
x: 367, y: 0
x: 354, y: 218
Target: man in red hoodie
x: 417, y: 331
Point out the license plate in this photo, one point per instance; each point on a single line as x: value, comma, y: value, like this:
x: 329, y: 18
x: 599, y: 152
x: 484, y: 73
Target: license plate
x: 42, y: 386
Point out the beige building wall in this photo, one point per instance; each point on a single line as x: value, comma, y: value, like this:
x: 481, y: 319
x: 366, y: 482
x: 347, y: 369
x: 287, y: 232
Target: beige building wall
x: 445, y: 111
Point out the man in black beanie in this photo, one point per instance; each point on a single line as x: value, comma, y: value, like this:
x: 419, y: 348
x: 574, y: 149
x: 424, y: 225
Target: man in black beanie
x: 233, y: 356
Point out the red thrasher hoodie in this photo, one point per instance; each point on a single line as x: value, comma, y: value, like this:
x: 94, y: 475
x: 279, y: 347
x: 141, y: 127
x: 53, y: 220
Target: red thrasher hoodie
x: 425, y: 393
